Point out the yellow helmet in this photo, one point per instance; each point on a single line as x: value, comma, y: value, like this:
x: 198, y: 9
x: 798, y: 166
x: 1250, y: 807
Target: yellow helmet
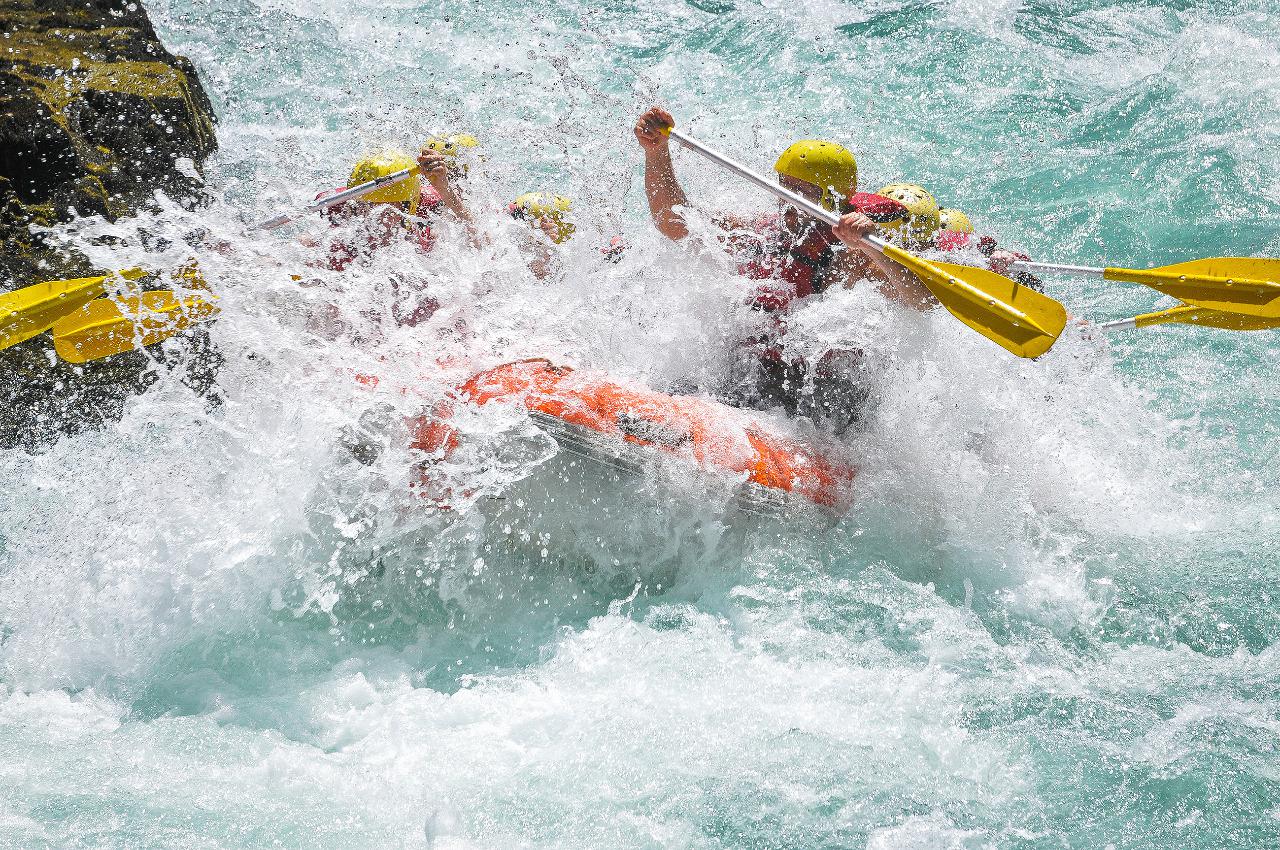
x: 380, y: 165
x: 954, y: 220
x: 824, y: 164
x: 538, y: 205
x: 453, y: 146
x: 923, y: 221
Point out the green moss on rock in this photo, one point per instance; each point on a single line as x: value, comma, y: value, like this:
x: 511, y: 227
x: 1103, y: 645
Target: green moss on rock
x: 95, y: 115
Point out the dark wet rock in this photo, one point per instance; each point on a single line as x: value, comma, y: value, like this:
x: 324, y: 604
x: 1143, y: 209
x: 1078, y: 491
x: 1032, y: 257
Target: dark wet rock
x: 95, y: 116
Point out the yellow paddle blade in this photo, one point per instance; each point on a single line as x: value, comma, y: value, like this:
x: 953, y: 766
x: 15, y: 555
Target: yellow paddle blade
x: 32, y: 310
x: 1191, y: 315
x: 105, y: 327
x: 1013, y: 316
x: 191, y: 276
x: 1248, y: 285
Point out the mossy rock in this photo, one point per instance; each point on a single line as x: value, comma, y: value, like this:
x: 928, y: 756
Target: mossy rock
x: 89, y: 97
x: 95, y: 116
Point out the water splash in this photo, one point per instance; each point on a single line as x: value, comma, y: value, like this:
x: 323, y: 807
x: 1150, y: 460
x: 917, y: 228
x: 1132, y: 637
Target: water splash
x: 1047, y: 618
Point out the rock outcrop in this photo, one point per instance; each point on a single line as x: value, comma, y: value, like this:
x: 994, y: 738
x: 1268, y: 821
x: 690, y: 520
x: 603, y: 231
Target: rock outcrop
x: 95, y: 116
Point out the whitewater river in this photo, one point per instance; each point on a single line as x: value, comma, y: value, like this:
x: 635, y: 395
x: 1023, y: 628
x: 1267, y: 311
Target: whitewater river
x: 1049, y: 619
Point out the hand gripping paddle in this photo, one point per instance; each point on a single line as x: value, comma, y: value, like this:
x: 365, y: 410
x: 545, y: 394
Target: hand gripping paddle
x: 1013, y: 316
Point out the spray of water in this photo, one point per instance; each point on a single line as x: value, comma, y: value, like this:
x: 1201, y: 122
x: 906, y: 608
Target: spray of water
x: 1046, y: 619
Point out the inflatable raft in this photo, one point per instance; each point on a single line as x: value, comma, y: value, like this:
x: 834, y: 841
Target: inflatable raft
x: 622, y: 419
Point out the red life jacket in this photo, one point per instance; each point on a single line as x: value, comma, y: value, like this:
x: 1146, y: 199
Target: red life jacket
x: 800, y: 263
x: 955, y: 240
x: 429, y: 200
x: 951, y: 240
x: 407, y: 307
x: 341, y: 255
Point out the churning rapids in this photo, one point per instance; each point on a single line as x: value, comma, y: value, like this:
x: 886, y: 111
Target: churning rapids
x: 1048, y: 620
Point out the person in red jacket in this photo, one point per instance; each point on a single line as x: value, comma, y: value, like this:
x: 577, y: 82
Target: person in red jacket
x: 389, y: 216
x: 793, y: 256
x: 801, y: 254
x: 918, y: 219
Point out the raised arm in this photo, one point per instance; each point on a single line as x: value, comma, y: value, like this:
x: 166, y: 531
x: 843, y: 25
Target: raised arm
x: 434, y: 166
x: 660, y: 185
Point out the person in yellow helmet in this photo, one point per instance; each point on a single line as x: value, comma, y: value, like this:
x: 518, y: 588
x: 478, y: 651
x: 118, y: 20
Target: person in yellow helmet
x: 380, y: 218
x: 793, y: 256
x: 546, y: 212
x: 390, y: 215
x: 364, y: 228
x: 550, y: 215
x: 954, y: 221
x: 404, y: 208
x: 458, y: 149
x: 923, y: 219
x: 443, y: 161
x: 799, y: 255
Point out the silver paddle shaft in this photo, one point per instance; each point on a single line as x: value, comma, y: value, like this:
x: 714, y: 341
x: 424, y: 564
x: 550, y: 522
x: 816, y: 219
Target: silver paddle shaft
x: 799, y: 201
x: 1119, y: 325
x: 336, y: 198
x: 1028, y: 266
x: 1084, y: 271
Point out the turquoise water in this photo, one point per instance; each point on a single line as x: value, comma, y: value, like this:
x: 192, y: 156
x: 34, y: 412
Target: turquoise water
x: 1050, y: 620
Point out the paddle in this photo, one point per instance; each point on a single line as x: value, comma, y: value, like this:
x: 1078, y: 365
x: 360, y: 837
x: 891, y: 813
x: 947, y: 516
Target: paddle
x: 104, y: 329
x: 1014, y: 317
x: 32, y: 310
x: 109, y: 326
x: 349, y: 194
x: 106, y: 332
x: 1245, y: 285
x: 1187, y: 314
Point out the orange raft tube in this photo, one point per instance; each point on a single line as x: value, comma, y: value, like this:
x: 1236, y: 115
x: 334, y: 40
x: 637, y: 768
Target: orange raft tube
x: 713, y: 436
